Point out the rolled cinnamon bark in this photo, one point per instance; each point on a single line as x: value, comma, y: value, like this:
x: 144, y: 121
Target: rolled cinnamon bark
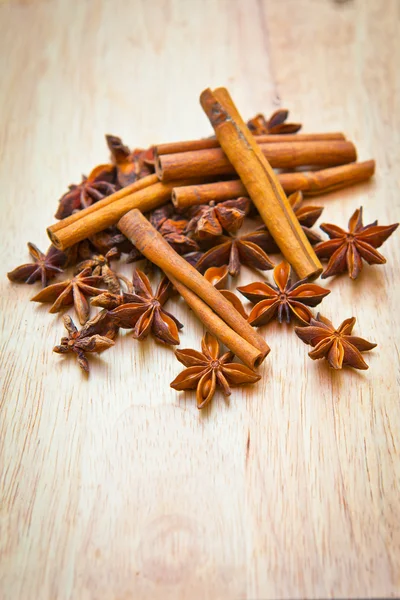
x: 311, y: 183
x: 213, y: 161
x: 260, y: 181
x: 153, y: 246
x: 204, y: 144
x: 96, y: 218
x: 251, y: 356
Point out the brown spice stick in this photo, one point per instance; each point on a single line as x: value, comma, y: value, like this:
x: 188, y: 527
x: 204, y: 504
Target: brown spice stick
x: 311, y: 183
x: 92, y: 220
x: 260, y: 181
x: 153, y: 246
x: 247, y: 353
x: 204, y: 144
x: 211, y: 162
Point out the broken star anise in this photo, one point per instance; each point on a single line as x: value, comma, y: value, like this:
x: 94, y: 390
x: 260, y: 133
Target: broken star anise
x: 72, y: 291
x: 207, y: 369
x: 45, y: 266
x: 338, y: 346
x: 259, y: 125
x: 98, y: 185
x: 100, y: 265
x: 346, y: 249
x: 283, y: 299
x: 212, y: 219
x: 130, y: 165
x: 97, y: 335
x: 145, y: 313
x: 236, y: 251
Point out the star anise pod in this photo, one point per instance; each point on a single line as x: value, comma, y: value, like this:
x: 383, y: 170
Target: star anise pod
x: 72, y: 291
x: 97, y: 335
x: 145, y: 313
x: 207, y: 369
x: 109, y: 238
x: 283, y: 299
x: 236, y: 251
x: 45, y: 266
x: 259, y: 125
x: 346, y: 249
x: 306, y: 215
x: 217, y: 276
x: 212, y: 219
x: 338, y: 346
x: 130, y: 165
x: 99, y: 184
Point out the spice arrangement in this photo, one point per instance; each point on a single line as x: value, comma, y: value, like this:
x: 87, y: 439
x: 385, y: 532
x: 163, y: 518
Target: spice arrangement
x: 183, y: 209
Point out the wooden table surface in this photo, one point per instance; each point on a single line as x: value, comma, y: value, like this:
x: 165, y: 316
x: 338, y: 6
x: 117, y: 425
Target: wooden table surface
x: 115, y: 486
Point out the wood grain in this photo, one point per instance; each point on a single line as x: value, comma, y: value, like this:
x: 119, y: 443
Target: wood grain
x: 116, y: 487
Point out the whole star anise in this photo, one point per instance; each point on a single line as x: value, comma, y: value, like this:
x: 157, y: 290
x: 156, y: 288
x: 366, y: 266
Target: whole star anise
x: 45, y: 266
x: 338, y: 346
x: 236, y: 251
x: 346, y: 249
x: 212, y: 219
x: 145, y: 313
x: 283, y: 299
x: 97, y: 335
x: 259, y: 125
x: 306, y: 215
x: 99, y: 184
x: 207, y: 369
x: 72, y: 291
x: 130, y: 165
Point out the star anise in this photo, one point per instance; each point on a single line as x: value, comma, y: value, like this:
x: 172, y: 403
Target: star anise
x: 99, y: 184
x: 282, y: 299
x: 109, y: 238
x: 100, y: 265
x: 207, y: 369
x: 306, y: 215
x: 338, y: 346
x: 217, y: 276
x: 72, y: 291
x: 45, y: 266
x: 212, y: 219
x: 236, y: 251
x: 130, y: 165
x: 346, y: 249
x: 145, y: 313
x: 259, y: 125
x: 97, y: 335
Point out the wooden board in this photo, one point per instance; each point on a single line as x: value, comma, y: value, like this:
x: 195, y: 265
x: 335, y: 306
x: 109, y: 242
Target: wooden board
x: 116, y: 487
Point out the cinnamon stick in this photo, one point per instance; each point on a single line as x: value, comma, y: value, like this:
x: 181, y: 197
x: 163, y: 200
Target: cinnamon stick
x: 247, y: 353
x: 213, y: 161
x: 311, y: 183
x: 101, y: 215
x: 153, y: 246
x: 204, y: 144
x: 260, y: 181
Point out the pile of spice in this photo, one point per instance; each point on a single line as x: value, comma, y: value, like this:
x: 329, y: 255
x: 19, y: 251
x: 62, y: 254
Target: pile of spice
x: 182, y: 207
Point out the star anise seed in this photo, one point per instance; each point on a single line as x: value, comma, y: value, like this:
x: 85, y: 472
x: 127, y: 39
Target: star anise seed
x: 72, y: 291
x: 97, y: 335
x: 346, y: 249
x: 283, y: 299
x: 207, y: 369
x: 338, y: 346
x: 145, y: 313
x: 45, y: 266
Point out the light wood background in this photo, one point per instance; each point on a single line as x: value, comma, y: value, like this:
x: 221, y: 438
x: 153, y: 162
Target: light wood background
x: 116, y: 487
